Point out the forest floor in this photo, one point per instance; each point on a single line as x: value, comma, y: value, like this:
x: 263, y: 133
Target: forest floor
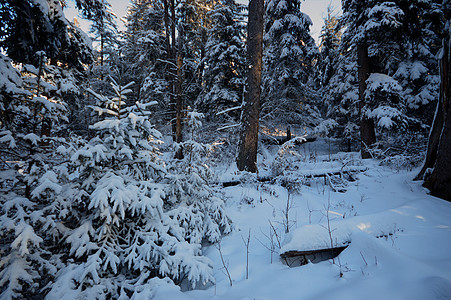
x: 414, y: 262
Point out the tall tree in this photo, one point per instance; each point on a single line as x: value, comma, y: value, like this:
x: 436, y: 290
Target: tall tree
x: 224, y: 63
x: 247, y: 148
x: 329, y: 47
x: 29, y: 26
x: 144, y: 52
x: 288, y: 68
x: 384, y: 37
x: 355, y: 16
x: 438, y: 155
x: 338, y: 81
x: 367, y: 132
x: 105, y: 33
x: 30, y: 104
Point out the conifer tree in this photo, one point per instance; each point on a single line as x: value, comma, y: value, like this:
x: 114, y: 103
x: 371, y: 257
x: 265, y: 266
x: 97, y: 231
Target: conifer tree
x: 337, y: 84
x: 329, y: 47
x: 30, y: 26
x: 383, y: 36
x: 247, y: 148
x: 289, y: 54
x: 224, y: 63
x: 30, y: 202
x: 145, y: 52
x: 104, y: 30
x: 129, y: 226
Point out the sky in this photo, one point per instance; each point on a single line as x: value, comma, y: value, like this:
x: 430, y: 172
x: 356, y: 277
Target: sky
x: 316, y: 9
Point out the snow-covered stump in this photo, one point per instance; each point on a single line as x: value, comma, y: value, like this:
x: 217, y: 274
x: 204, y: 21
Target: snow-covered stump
x: 318, y: 242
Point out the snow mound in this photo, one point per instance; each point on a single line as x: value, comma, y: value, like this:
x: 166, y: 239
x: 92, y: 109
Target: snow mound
x: 316, y: 236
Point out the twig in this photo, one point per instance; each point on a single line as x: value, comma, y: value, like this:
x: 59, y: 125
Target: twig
x: 363, y: 258
x: 223, y: 263
x: 246, y: 243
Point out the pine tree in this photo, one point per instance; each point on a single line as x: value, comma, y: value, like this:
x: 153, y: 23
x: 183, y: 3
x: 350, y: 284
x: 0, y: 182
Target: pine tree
x: 330, y: 39
x: 29, y: 195
x: 385, y: 36
x: 337, y: 82
x: 199, y: 208
x: 30, y: 26
x: 289, y: 54
x: 107, y: 61
x: 145, y: 52
x: 127, y: 224
x: 247, y: 148
x: 224, y: 63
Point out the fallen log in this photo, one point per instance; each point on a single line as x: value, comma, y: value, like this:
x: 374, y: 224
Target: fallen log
x: 316, y: 243
x: 337, y: 250
x: 300, y: 258
x: 325, y: 173
x: 280, y: 140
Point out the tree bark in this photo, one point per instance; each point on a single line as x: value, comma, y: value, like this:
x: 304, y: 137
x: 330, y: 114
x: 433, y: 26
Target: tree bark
x: 247, y: 148
x: 438, y: 123
x: 367, y: 133
x: 179, y: 95
x: 170, y: 21
x: 439, y: 183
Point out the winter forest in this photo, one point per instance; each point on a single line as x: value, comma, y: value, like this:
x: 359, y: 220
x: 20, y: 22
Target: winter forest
x: 212, y: 149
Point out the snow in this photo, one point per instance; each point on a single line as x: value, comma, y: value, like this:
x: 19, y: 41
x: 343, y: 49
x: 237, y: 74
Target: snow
x: 6, y: 137
x: 414, y: 262
x: 378, y: 81
x: 25, y: 236
x: 10, y: 79
x: 48, y: 181
x: 32, y: 138
x: 316, y: 236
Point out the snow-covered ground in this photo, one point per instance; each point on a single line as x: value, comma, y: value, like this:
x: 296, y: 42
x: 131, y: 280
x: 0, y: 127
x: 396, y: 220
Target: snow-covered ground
x: 413, y: 263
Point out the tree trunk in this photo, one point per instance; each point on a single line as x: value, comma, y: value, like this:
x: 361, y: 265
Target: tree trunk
x: 170, y: 21
x: 439, y: 183
x: 438, y: 123
x: 204, y: 39
x: 247, y: 149
x: 367, y: 133
x: 179, y: 95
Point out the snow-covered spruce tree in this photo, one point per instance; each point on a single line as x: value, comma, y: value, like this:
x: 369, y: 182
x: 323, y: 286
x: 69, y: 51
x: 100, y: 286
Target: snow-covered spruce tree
x: 329, y: 48
x: 30, y: 26
x: 410, y: 37
x: 199, y: 210
x: 288, y: 62
x: 224, y: 63
x: 384, y: 102
x: 192, y: 25
x: 144, y: 51
x: 341, y: 99
x: 392, y: 31
x: 30, y: 203
x: 104, y: 30
x: 338, y: 83
x: 417, y: 70
x: 123, y: 233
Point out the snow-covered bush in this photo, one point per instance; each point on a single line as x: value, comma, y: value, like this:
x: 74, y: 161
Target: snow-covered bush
x: 33, y: 180
x: 128, y: 227
x: 326, y: 127
x: 384, y: 98
x: 199, y: 210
